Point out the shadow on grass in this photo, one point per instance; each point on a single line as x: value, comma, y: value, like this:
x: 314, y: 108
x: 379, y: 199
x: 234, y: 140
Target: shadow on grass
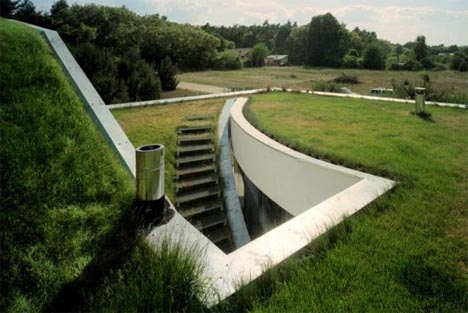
x: 425, y: 116
x: 115, y: 250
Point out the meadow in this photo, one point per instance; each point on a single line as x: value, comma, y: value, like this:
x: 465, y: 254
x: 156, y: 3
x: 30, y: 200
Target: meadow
x: 298, y: 77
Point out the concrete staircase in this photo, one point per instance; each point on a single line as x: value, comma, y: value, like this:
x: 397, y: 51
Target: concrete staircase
x: 198, y: 196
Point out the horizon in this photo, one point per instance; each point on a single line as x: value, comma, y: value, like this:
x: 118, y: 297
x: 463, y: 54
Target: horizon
x: 395, y: 21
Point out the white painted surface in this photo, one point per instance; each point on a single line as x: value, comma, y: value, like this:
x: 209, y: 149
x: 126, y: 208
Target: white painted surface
x: 184, y: 99
x: 294, y: 181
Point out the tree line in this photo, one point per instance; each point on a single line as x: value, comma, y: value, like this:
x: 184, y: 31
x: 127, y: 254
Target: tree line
x: 130, y: 57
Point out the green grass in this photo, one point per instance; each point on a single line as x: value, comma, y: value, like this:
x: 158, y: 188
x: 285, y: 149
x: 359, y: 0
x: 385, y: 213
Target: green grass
x: 70, y: 238
x: 158, y: 124
x: 304, y: 78
x: 407, y: 251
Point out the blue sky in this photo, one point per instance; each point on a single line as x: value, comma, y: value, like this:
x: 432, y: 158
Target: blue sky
x: 398, y: 21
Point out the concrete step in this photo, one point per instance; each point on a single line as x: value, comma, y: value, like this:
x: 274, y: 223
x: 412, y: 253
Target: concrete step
x: 195, y: 130
x: 195, y: 148
x: 196, y: 195
x: 218, y: 235
x: 195, y: 158
x: 210, y: 220
x: 182, y: 139
x: 201, y: 208
x: 211, y: 179
x: 195, y: 170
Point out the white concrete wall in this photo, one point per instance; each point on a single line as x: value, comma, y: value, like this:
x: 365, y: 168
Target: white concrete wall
x: 293, y: 180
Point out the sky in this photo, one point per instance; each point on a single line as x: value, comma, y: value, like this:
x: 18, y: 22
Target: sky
x: 398, y: 21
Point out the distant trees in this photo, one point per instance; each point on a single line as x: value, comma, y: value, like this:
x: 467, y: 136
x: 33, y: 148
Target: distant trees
x: 326, y: 41
x: 258, y: 54
x: 149, y: 46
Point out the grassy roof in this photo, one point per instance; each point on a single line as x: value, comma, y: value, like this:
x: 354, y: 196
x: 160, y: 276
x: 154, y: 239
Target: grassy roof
x: 69, y: 240
x: 407, y: 251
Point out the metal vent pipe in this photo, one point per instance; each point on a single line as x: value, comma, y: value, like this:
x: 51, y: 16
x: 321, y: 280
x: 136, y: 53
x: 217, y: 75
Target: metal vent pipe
x: 150, y: 172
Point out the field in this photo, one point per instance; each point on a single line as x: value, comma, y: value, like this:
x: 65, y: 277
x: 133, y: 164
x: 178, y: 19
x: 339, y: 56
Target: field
x: 408, y: 251
x: 304, y: 78
x: 70, y: 236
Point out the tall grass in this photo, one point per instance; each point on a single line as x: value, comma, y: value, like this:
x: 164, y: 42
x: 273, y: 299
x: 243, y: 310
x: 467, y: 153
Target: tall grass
x: 70, y: 238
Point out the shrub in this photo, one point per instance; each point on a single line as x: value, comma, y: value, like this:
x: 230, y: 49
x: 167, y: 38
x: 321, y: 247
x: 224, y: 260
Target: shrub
x: 346, y: 79
x: 227, y: 60
x: 258, y: 54
x: 327, y: 86
x: 374, y: 58
x: 351, y: 61
x: 463, y: 67
x: 412, y: 65
x: 167, y: 72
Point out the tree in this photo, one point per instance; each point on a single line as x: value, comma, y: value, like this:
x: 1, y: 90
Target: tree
x: 57, y: 7
x: 167, y: 72
x: 297, y: 46
x: 281, y: 38
x: 420, y: 48
x: 374, y: 58
x: 458, y: 62
x: 26, y: 11
x: 258, y: 55
x: 326, y: 41
x: 143, y: 83
x: 7, y: 7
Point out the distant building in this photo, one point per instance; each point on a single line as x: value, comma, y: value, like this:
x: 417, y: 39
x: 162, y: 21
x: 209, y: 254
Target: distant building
x: 277, y: 60
x: 244, y: 53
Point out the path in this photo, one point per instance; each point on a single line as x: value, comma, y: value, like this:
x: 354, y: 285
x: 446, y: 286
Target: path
x: 202, y: 88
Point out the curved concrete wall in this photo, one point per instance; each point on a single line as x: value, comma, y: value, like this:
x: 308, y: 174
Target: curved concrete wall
x: 293, y: 180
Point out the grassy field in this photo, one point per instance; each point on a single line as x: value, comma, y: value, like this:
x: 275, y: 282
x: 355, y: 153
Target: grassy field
x: 406, y: 252
x: 70, y: 237
x: 304, y: 78
x: 158, y: 124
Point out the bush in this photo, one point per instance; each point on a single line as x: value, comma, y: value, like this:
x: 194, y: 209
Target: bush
x: 258, y: 55
x: 463, y: 67
x: 327, y: 86
x: 457, y: 60
x: 374, y: 58
x: 227, y: 60
x: 351, y: 61
x: 346, y: 79
x: 412, y: 65
x: 167, y: 72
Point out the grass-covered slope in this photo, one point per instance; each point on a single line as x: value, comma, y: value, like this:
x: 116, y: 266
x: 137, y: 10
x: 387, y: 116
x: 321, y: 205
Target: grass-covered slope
x: 408, y: 251
x: 68, y: 237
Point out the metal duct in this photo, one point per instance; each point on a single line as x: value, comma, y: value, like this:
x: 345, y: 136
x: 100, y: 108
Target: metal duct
x: 150, y: 172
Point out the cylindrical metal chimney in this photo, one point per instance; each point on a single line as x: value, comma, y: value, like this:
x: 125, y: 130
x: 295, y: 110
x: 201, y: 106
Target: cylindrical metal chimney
x: 150, y: 172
